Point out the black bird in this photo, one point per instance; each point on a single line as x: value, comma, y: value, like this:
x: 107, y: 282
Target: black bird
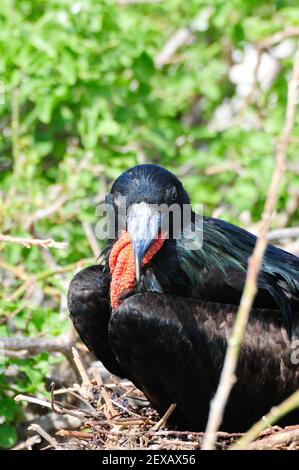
x: 168, y: 333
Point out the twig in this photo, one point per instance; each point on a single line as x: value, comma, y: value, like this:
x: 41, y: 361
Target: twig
x: 272, y: 417
x: 37, y: 428
x: 281, y: 439
x: 276, y: 38
x: 227, y: 378
x: 105, y: 395
x: 278, y: 234
x: 23, y: 347
x: 31, y: 441
x: 29, y: 242
x: 77, y: 434
x: 34, y: 346
x: 126, y: 410
x: 47, y: 404
x: 81, y: 369
x: 164, y: 418
x: 177, y: 40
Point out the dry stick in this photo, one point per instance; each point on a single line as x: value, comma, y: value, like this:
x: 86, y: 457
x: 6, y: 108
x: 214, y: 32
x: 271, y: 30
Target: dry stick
x: 28, y: 242
x: 178, y: 39
x: 34, y: 346
x: 164, y: 418
x: 278, y: 234
x: 111, y: 412
x: 278, y: 37
x: 37, y: 428
x: 25, y: 347
x: 28, y: 443
x: 47, y: 404
x: 82, y: 372
x: 77, y: 434
x: 274, y: 415
x: 278, y: 439
x: 227, y: 378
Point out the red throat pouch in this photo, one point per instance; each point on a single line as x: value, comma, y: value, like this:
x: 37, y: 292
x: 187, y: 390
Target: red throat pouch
x: 122, y: 266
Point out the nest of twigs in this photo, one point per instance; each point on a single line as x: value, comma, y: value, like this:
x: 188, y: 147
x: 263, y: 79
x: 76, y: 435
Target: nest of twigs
x: 117, y: 416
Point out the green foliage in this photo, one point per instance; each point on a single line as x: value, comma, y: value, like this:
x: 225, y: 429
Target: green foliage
x: 83, y: 100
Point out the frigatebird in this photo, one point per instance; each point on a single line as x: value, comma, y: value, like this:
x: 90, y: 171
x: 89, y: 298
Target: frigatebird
x: 159, y: 307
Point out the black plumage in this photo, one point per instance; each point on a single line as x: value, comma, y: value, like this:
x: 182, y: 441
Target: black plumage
x: 170, y: 335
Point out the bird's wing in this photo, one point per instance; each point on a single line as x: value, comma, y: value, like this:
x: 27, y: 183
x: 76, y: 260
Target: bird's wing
x: 90, y: 313
x: 216, y: 259
x: 173, y: 349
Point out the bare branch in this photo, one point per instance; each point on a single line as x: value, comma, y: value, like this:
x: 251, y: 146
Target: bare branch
x: 227, y: 378
x: 58, y: 407
x: 281, y: 439
x: 280, y: 233
x: 23, y: 347
x: 177, y: 40
x: 81, y: 369
x: 164, y: 418
x: 28, y: 443
x: 29, y: 242
x: 62, y: 344
x: 37, y: 428
x: 276, y: 38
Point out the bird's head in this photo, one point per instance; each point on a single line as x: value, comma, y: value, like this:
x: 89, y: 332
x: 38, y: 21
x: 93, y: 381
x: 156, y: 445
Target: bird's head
x: 146, y: 200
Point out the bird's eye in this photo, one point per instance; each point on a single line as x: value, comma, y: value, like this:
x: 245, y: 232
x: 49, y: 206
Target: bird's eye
x: 173, y: 194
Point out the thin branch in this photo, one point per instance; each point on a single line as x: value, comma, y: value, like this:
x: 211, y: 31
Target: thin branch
x: 37, y: 428
x: 34, y: 346
x: 227, y: 378
x: 178, y: 39
x: 276, y: 38
x: 81, y: 369
x: 111, y: 412
x: 272, y: 417
x: 278, y: 439
x: 29, y: 242
x: 164, y: 418
x: 278, y: 234
x: 59, y: 409
x: 31, y: 441
x: 23, y: 347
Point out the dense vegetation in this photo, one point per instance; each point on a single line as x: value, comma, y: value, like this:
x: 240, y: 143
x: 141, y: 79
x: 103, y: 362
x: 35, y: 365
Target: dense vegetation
x: 87, y: 89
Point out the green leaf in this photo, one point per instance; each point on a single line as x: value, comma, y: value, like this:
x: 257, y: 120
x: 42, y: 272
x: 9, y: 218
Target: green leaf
x: 8, y: 436
x: 8, y: 408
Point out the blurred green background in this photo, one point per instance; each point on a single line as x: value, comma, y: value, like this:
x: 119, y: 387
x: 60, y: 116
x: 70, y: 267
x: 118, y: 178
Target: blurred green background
x: 89, y: 88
